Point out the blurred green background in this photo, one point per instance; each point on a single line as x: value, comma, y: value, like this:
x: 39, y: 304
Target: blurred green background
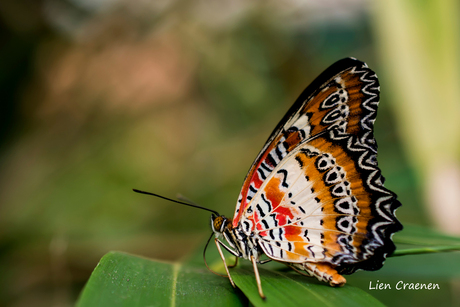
x: 99, y: 97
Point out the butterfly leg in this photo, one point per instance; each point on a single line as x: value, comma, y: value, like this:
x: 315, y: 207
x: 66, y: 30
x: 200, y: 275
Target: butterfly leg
x: 256, y: 273
x: 218, y: 243
x: 322, y: 271
x: 234, y: 265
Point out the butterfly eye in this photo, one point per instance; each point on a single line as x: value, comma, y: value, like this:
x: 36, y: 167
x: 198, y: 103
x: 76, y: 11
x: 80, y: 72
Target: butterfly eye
x: 218, y: 223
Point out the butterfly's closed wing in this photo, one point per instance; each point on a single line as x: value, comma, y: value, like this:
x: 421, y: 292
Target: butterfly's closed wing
x: 315, y: 193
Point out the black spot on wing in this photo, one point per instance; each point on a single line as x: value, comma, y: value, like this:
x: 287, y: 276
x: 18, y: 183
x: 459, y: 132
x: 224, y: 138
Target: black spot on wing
x: 271, y: 234
x: 278, y: 153
x: 285, y: 173
x: 265, y: 224
x: 261, y: 173
x: 299, y: 160
x: 271, y: 161
x: 265, y: 167
x: 261, y: 212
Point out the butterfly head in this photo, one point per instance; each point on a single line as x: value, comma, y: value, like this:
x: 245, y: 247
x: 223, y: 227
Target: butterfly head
x: 220, y: 224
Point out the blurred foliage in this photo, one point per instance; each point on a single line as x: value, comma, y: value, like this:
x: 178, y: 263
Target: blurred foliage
x: 99, y: 97
x: 419, y: 42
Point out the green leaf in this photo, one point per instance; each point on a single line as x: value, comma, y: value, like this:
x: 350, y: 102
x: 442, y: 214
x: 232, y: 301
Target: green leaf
x: 125, y: 280
x: 287, y: 288
x: 430, y: 241
x: 418, y: 235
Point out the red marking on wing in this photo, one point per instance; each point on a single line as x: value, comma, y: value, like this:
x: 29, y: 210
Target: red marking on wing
x: 282, y: 214
x: 292, y: 233
x: 263, y: 233
x: 252, y: 177
x: 273, y: 193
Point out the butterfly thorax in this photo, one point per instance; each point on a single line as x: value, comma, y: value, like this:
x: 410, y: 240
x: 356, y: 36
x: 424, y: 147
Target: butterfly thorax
x: 242, y: 243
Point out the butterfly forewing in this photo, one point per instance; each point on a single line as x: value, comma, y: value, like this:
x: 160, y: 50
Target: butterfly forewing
x: 315, y: 193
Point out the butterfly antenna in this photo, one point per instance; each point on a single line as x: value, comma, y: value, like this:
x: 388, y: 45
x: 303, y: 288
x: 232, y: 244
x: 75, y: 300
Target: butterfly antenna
x: 185, y: 199
x: 204, y: 258
x: 176, y: 201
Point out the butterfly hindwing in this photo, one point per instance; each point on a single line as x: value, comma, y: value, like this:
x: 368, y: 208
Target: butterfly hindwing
x: 315, y: 193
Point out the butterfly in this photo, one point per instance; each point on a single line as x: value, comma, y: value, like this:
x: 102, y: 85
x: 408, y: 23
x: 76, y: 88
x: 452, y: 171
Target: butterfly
x: 314, y: 198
